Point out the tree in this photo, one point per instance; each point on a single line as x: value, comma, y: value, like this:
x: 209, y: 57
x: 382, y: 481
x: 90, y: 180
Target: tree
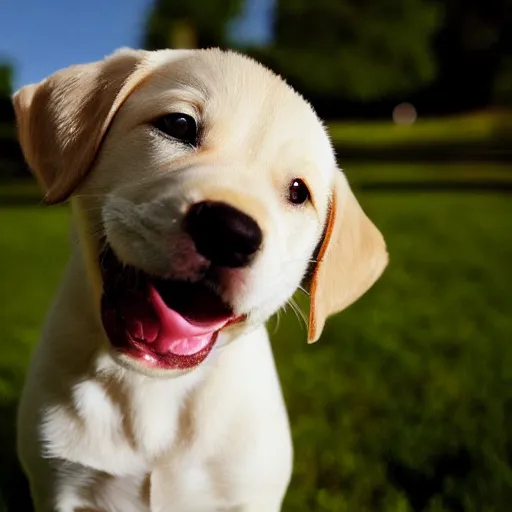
x: 6, y: 78
x: 358, y: 49
x: 190, y: 23
x: 472, y: 49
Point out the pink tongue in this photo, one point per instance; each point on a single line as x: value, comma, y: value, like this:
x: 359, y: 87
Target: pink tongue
x: 167, y: 331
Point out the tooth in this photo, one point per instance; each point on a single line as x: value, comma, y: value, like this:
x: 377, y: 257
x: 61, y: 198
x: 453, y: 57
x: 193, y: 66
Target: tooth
x: 151, y: 331
x: 139, y: 330
x: 135, y: 328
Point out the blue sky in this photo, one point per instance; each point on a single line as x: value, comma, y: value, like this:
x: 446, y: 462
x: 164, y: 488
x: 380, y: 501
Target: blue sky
x: 42, y: 36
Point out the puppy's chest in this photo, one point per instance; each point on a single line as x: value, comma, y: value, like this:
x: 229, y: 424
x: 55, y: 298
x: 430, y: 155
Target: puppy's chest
x: 109, y: 430
x: 165, y: 440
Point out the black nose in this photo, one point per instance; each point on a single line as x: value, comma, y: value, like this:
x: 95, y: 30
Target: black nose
x: 224, y: 235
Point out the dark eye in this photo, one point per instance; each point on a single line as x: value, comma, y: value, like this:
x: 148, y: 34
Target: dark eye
x: 181, y: 127
x: 298, y: 193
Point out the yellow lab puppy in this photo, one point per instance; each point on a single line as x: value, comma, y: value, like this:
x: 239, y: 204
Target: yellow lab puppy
x: 204, y: 191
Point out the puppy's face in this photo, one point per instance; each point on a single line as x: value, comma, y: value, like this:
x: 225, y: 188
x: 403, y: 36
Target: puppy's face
x: 204, y: 207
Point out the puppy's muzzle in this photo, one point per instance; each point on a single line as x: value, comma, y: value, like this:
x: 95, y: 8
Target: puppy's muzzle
x: 223, y: 234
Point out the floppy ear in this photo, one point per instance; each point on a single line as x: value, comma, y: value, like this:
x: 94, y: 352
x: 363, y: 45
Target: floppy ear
x: 63, y: 119
x: 352, y: 257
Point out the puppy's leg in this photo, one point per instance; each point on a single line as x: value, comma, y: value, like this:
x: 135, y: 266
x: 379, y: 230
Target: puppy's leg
x: 77, y: 488
x: 40, y: 474
x: 42, y: 492
x: 50, y: 490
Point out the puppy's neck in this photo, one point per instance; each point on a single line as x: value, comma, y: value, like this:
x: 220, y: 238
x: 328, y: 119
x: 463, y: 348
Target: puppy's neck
x: 73, y: 335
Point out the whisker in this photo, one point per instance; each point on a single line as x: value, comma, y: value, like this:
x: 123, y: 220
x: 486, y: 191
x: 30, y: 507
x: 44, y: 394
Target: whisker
x: 298, y: 312
x: 303, y: 290
x: 292, y: 306
x: 278, y: 321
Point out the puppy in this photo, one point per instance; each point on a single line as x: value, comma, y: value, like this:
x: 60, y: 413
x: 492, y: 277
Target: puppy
x: 204, y: 191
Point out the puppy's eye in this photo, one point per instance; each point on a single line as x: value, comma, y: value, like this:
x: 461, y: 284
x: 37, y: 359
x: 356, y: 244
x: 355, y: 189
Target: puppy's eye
x: 298, y: 192
x: 181, y: 127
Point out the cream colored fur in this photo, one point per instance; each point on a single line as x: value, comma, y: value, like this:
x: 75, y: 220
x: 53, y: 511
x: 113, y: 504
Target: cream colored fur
x: 98, y: 432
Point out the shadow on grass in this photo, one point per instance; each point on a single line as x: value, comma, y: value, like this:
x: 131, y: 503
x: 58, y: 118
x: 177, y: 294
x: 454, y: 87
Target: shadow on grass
x: 14, y: 489
x: 431, y: 152
x: 420, y: 488
x: 6, y: 200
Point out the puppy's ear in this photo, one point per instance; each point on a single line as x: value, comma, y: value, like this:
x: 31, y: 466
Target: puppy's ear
x: 63, y: 119
x: 352, y: 257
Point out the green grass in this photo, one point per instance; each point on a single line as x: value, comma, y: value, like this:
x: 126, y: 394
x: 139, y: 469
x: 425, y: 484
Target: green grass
x: 419, y: 369
x: 33, y: 251
x: 474, y: 128
x: 33, y: 248
x: 388, y: 172
x: 20, y: 191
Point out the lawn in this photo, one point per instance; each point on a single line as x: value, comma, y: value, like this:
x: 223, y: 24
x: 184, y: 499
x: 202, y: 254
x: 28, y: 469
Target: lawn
x: 472, y: 128
x: 405, y: 404
x: 483, y: 136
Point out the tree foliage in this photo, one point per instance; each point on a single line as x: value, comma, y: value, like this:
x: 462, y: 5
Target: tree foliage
x: 473, y: 50
x: 446, y: 55
x: 207, y: 19
x: 356, y: 48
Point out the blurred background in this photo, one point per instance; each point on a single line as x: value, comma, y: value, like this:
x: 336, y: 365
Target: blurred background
x: 405, y: 405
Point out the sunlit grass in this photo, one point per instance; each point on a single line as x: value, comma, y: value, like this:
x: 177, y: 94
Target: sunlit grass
x: 398, y: 172
x: 469, y: 129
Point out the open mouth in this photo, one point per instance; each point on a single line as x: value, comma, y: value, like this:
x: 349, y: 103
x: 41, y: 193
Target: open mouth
x: 162, y: 323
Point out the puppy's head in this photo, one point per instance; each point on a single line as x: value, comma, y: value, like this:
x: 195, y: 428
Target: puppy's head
x: 204, y: 190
